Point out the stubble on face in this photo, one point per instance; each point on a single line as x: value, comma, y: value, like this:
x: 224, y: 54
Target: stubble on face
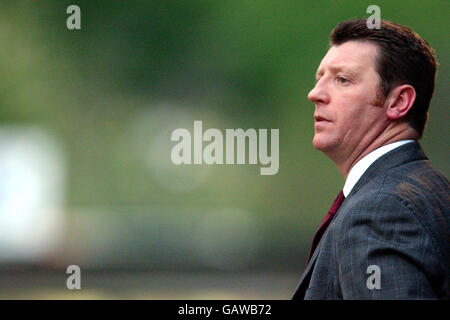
x: 354, y: 121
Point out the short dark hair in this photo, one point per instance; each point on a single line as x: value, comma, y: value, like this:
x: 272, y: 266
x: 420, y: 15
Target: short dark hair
x: 403, y: 58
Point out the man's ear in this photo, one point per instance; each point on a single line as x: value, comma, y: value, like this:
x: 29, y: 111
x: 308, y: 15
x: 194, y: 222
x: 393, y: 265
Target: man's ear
x: 399, y: 101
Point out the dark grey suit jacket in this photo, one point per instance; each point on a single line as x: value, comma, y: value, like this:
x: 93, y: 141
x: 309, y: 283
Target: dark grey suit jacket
x: 397, y: 218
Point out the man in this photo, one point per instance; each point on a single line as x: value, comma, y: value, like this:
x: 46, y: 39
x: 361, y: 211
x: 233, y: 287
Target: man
x: 387, y: 234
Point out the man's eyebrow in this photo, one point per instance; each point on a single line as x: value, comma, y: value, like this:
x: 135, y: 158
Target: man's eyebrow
x: 337, y: 69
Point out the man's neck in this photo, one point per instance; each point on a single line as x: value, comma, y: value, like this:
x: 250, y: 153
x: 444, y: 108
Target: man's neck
x: 391, y: 135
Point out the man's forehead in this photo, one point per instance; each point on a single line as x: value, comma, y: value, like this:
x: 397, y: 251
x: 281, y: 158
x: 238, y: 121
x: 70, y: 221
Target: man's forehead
x: 349, y: 55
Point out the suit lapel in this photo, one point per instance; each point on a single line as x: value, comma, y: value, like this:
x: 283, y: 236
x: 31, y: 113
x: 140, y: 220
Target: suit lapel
x: 306, y: 277
x: 304, y: 281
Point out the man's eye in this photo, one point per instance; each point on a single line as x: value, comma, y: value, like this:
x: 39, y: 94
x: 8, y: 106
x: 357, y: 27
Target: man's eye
x: 342, y: 80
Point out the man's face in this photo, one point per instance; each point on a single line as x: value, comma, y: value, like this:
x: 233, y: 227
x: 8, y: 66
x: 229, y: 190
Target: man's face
x: 347, y: 115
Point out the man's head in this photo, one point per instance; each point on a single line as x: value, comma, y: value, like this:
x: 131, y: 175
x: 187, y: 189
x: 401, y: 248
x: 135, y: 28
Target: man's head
x: 373, y: 86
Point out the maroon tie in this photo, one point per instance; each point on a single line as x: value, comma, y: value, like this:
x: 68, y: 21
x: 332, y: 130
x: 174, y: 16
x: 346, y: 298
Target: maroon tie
x: 325, y: 222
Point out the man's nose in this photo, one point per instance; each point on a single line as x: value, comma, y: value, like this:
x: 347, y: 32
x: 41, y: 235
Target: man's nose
x: 318, y: 94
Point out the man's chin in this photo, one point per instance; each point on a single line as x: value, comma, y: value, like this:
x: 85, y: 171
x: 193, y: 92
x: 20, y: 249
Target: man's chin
x: 318, y: 143
x: 321, y: 144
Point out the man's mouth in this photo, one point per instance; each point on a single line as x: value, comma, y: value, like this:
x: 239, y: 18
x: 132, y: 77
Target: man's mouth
x: 320, y: 118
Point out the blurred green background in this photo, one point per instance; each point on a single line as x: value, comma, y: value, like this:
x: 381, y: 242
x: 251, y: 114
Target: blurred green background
x: 111, y: 93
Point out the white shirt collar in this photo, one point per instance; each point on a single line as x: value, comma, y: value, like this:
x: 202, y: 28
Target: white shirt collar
x: 362, y: 165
